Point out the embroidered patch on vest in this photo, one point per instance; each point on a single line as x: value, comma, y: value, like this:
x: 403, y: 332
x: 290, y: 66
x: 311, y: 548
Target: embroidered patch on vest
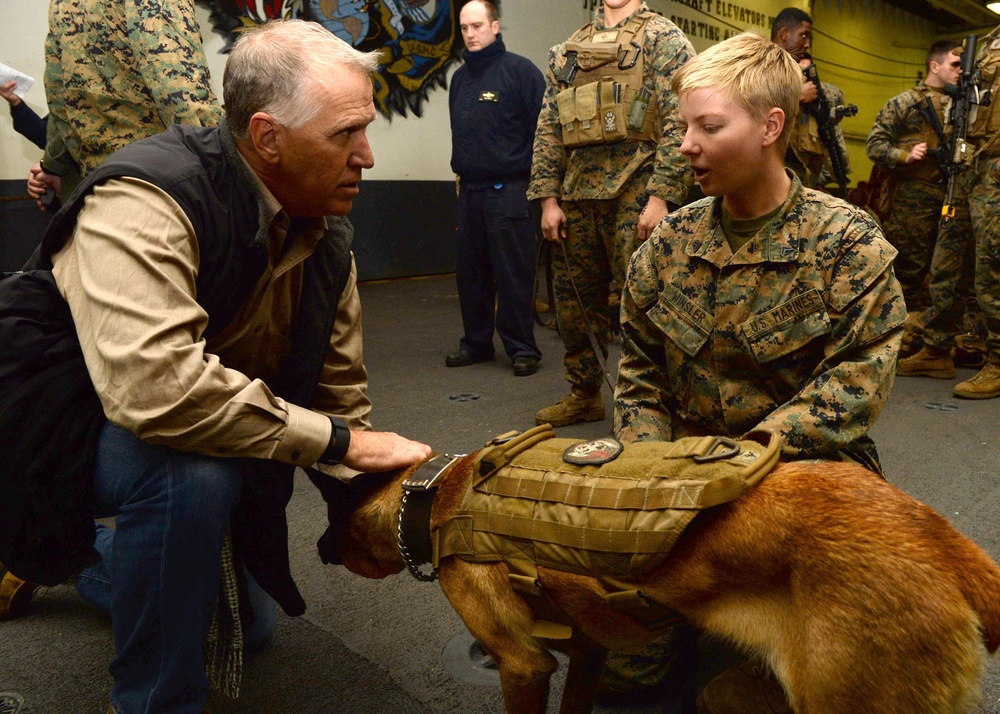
x: 605, y: 36
x: 610, y: 121
x: 594, y: 452
x: 489, y: 96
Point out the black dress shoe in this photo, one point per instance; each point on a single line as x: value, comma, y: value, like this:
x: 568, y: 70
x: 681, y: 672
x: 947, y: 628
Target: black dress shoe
x: 463, y: 358
x: 525, y: 366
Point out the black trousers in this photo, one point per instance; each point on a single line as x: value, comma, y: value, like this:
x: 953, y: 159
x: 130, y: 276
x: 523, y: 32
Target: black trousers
x: 495, y: 269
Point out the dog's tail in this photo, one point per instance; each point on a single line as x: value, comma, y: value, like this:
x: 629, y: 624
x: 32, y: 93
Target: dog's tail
x: 978, y: 578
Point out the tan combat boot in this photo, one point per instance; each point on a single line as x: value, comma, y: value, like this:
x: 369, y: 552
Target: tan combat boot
x: 750, y: 688
x: 15, y: 594
x: 575, y: 407
x: 931, y: 361
x: 985, y: 385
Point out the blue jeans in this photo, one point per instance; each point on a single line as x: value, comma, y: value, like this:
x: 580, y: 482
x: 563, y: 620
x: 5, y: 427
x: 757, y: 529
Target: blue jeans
x: 159, y: 574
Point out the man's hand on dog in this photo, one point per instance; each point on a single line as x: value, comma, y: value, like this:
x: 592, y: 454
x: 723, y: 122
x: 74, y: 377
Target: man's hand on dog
x: 383, y: 451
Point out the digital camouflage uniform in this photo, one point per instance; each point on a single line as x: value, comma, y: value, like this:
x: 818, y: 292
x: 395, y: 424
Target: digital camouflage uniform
x: 116, y: 72
x: 797, y: 333
x: 980, y: 184
x: 602, y: 189
x: 806, y: 155
x: 917, y: 190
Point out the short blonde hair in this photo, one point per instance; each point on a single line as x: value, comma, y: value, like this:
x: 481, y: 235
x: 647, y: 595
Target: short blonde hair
x: 273, y: 67
x: 750, y: 70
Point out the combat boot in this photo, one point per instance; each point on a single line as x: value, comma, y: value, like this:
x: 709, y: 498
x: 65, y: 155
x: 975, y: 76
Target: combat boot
x: 913, y: 335
x: 750, y: 688
x: 970, y: 351
x: 931, y: 361
x: 985, y: 385
x: 575, y: 407
x: 15, y: 594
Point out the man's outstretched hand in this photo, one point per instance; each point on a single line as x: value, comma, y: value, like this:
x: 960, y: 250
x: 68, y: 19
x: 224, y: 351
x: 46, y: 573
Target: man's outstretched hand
x: 383, y: 451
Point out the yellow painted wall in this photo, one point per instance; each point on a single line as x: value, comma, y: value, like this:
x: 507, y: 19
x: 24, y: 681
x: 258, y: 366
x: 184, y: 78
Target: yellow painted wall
x: 872, y: 51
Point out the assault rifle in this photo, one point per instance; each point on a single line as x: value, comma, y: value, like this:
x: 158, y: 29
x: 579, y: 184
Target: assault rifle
x: 963, y: 96
x: 827, y: 115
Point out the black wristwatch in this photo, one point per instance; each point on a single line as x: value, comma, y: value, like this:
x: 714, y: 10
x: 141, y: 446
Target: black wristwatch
x: 340, y: 441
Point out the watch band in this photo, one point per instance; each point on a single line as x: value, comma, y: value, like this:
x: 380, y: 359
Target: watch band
x: 340, y: 441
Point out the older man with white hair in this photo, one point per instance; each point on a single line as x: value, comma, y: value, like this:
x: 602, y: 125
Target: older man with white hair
x: 212, y: 290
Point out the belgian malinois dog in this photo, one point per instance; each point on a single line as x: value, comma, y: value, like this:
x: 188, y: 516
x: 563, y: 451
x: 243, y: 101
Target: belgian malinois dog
x: 860, y: 598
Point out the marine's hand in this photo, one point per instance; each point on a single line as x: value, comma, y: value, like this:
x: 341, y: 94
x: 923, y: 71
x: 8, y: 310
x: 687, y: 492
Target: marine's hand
x: 383, y: 451
x: 553, y: 220
x: 916, y: 153
x: 655, y: 211
x: 809, y: 92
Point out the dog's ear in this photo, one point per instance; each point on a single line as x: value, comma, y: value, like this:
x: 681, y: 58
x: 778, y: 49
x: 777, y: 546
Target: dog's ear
x: 340, y: 502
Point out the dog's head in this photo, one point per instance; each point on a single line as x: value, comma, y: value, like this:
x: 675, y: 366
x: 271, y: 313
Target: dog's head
x: 362, y: 531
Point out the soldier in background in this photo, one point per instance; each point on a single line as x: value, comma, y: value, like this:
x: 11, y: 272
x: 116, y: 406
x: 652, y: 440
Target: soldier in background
x: 905, y: 140
x: 806, y: 155
x: 606, y: 170
x: 116, y: 72
x: 943, y: 321
x: 766, y: 305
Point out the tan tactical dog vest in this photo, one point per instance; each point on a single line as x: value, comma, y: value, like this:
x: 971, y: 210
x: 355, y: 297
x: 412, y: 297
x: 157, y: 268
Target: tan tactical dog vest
x: 606, y: 101
x: 613, y: 516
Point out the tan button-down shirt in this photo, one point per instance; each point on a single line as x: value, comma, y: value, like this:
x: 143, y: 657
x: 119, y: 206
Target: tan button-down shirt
x: 128, y: 274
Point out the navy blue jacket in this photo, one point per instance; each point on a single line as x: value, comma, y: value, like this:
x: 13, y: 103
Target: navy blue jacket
x: 494, y: 100
x: 29, y: 124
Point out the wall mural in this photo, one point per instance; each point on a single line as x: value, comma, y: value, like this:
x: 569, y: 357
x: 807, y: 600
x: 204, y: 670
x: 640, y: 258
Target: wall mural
x: 417, y: 40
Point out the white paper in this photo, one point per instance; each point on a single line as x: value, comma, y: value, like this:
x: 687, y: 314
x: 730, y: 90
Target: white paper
x: 24, y: 82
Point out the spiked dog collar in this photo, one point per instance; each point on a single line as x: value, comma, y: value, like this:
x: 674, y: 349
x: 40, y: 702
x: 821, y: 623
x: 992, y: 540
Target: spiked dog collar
x: 414, y: 532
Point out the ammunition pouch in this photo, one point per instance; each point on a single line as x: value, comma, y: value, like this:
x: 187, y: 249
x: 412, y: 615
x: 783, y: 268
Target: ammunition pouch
x: 925, y: 170
x: 804, y: 139
x: 590, y: 115
x: 606, y: 101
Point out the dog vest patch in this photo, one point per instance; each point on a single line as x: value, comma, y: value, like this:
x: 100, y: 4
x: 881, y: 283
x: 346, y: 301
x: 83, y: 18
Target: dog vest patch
x: 597, y: 451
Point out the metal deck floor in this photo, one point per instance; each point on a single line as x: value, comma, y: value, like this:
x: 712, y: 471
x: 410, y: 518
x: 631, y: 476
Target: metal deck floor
x: 379, y: 646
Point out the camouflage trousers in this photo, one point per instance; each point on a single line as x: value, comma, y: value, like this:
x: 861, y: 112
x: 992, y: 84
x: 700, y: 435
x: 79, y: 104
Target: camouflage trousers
x: 965, y: 252
x: 911, y: 227
x: 640, y: 670
x: 601, y: 236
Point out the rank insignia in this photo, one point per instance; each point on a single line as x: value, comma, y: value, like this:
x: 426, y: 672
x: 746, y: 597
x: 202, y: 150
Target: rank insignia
x: 594, y: 452
x: 489, y: 96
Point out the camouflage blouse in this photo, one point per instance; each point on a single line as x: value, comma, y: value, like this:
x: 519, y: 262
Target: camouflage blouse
x: 116, y: 72
x: 797, y: 333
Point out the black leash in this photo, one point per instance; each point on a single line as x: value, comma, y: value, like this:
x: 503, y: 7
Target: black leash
x: 543, y: 269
